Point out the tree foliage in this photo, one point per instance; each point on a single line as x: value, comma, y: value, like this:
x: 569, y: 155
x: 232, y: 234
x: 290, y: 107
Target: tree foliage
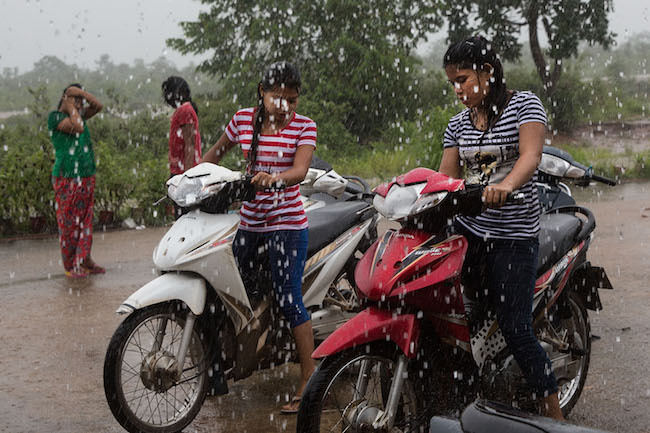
x: 566, y: 24
x: 356, y: 54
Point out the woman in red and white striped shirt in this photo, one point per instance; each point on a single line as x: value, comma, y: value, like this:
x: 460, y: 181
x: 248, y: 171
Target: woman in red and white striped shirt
x: 278, y: 144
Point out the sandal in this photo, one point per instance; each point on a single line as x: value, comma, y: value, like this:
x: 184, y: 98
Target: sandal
x: 77, y: 273
x: 94, y: 268
x: 292, y: 407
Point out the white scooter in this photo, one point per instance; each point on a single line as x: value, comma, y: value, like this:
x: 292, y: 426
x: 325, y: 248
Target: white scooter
x: 195, y: 326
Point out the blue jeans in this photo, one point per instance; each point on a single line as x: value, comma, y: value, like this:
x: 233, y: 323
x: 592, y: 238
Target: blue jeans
x: 502, y: 274
x: 281, y: 253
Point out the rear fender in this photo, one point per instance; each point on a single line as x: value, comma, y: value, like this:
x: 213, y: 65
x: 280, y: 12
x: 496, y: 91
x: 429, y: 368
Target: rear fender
x: 182, y: 286
x: 373, y: 324
x: 586, y: 280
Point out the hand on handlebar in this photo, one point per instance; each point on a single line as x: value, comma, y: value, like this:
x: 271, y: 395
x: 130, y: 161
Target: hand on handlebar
x: 495, y: 196
x: 263, y: 180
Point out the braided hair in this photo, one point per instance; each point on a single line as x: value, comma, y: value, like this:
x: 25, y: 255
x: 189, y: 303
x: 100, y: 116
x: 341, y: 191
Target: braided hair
x: 176, y: 91
x: 473, y: 53
x: 279, y: 75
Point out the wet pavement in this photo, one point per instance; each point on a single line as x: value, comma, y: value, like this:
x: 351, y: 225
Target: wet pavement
x: 55, y: 333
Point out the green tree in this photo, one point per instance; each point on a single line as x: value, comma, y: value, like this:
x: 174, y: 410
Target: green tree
x: 566, y: 23
x: 356, y: 54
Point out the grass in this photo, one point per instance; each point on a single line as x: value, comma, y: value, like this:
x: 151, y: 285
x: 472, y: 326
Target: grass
x: 628, y: 165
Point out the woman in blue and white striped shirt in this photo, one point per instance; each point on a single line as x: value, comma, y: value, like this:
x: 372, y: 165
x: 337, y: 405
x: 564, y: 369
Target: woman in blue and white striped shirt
x: 499, y: 137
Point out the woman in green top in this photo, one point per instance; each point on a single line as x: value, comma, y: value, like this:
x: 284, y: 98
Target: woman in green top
x: 73, y: 179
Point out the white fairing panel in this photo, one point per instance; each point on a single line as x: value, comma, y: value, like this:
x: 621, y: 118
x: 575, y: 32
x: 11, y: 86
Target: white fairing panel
x: 189, y: 232
x: 329, y: 182
x: 333, y: 265
x: 167, y: 287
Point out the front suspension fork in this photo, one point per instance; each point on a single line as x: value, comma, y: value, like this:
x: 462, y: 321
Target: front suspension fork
x: 185, y: 341
x: 381, y: 420
x: 387, y: 419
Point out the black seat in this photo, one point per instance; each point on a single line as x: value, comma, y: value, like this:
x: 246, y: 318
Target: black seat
x: 489, y: 417
x: 556, y: 237
x: 330, y: 221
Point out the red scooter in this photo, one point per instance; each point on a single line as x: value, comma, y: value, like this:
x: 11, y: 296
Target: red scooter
x: 417, y: 350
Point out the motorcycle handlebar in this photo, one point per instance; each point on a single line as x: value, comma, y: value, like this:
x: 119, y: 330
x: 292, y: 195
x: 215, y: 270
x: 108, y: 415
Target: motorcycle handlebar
x: 602, y: 179
x: 516, y: 198
x: 279, y: 186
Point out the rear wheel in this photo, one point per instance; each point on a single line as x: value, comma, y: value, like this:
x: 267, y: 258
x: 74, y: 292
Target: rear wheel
x: 142, y: 388
x: 338, y: 399
x: 571, y: 365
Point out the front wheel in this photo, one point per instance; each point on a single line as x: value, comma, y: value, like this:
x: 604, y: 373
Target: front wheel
x: 144, y: 387
x: 350, y: 388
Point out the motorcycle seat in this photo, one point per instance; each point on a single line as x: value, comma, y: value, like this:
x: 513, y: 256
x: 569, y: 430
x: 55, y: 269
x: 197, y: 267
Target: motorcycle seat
x: 485, y: 416
x: 329, y: 222
x: 557, y: 236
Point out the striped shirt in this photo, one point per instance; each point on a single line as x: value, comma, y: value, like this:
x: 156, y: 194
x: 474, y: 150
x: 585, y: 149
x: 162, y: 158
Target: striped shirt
x: 277, y: 210
x: 499, y: 147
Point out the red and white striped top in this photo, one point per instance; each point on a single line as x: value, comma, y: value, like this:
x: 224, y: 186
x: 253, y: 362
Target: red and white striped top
x: 279, y: 210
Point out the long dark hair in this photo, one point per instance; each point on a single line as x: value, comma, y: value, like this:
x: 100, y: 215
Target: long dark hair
x: 280, y: 74
x: 176, y: 91
x: 473, y: 53
x: 63, y: 94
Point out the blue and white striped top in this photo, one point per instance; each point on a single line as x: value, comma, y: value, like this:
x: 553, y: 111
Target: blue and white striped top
x: 499, y: 147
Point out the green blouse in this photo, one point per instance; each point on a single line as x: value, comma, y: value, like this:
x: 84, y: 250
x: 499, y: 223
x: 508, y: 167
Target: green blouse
x: 74, y: 152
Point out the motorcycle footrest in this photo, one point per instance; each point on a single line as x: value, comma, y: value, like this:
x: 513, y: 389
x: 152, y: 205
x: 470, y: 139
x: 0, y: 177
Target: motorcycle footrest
x: 574, y: 351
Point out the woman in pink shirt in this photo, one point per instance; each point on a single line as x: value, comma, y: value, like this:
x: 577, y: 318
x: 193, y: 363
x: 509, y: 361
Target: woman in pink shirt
x: 278, y: 144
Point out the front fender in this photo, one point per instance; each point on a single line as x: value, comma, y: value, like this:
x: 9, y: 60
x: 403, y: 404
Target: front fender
x: 185, y: 287
x: 373, y: 324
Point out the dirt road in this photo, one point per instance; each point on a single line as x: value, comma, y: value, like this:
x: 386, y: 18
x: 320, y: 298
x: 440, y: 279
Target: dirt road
x: 55, y: 333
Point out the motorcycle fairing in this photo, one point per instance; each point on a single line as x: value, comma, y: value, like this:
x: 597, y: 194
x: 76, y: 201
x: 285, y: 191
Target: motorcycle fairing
x: 373, y: 324
x: 405, y: 261
x: 561, y: 271
x: 436, y: 181
x: 193, y: 236
x: 417, y: 175
x: 452, y: 328
x: 183, y: 286
x: 322, y: 268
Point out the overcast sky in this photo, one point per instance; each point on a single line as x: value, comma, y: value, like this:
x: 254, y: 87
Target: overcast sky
x: 80, y: 31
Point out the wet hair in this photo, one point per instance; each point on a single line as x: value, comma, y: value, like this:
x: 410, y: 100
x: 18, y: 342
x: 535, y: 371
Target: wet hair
x: 65, y: 90
x: 176, y: 91
x: 279, y: 75
x: 473, y: 53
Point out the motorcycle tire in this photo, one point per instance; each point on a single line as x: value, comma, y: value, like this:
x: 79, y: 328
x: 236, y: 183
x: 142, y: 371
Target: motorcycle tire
x: 580, y: 335
x: 123, y: 402
x: 331, y: 377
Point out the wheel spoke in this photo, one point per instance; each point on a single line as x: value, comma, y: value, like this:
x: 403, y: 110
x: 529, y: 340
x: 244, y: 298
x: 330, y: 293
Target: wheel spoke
x: 150, y: 406
x: 342, y: 391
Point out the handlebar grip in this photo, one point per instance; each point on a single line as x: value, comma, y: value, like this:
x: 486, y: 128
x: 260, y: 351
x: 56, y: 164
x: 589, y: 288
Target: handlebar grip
x: 516, y: 198
x: 603, y: 179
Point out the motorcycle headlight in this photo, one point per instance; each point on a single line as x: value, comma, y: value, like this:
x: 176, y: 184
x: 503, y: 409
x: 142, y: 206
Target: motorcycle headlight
x: 186, y: 192
x: 575, y: 172
x: 428, y: 201
x: 554, y: 166
x: 191, y: 191
x: 399, y: 201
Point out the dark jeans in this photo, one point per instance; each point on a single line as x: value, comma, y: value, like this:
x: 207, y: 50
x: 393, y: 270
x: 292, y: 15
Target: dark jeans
x: 501, y: 273
x: 281, y: 253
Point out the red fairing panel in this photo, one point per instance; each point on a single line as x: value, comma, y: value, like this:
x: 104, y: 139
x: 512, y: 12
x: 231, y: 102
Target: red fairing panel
x: 417, y: 175
x: 408, y: 260
x: 373, y: 324
x: 441, y: 182
x: 436, y: 181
